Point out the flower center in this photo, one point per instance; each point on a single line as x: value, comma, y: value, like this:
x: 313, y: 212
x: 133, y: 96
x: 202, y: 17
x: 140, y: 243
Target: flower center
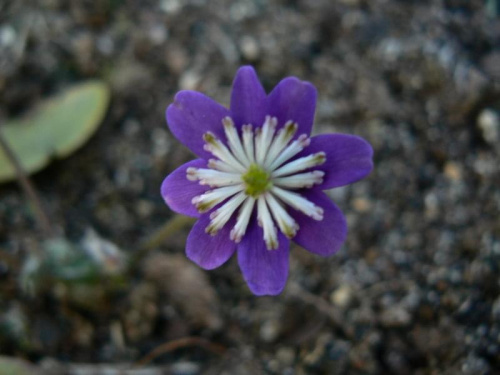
x: 257, y: 180
x: 257, y: 170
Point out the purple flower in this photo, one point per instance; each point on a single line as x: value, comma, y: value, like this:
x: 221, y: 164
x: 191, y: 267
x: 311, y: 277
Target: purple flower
x: 258, y: 182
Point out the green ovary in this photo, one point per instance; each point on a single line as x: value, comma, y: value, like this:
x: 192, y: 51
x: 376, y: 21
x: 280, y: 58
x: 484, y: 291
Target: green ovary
x: 256, y: 181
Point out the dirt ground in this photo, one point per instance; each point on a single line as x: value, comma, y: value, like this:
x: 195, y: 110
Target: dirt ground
x: 415, y: 289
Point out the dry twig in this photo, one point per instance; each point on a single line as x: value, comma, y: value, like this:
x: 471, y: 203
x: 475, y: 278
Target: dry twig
x: 179, y: 344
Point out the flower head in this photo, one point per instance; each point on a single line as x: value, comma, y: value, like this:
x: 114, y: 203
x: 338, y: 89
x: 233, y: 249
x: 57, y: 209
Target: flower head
x: 258, y: 182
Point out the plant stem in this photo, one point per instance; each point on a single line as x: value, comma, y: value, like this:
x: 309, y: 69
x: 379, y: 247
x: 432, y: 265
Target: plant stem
x: 28, y: 188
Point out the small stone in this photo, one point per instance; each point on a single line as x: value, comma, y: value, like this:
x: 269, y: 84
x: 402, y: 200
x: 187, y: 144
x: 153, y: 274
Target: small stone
x: 170, y: 6
x: 489, y: 123
x: 342, y: 296
x: 395, y: 317
x: 485, y: 165
x: 105, y: 45
x: 185, y: 368
x: 362, y: 204
x: 270, y: 330
x: 431, y: 202
x: 189, y: 80
x: 158, y: 34
x: 453, y: 171
x: 7, y: 36
x: 249, y: 48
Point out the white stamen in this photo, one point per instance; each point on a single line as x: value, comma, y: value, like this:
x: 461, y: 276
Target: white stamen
x: 293, y: 149
x: 299, y: 203
x: 212, y: 198
x: 240, y: 228
x: 221, y: 216
x: 264, y: 138
x: 234, y: 141
x: 248, y: 142
x: 220, y: 166
x: 218, y: 149
x: 285, y: 222
x: 212, y: 177
x: 300, y: 164
x: 284, y: 136
x: 301, y: 180
x: 266, y: 222
x: 263, y: 151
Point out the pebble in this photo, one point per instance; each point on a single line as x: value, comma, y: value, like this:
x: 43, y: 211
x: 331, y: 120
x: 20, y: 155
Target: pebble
x: 171, y: 6
x: 249, y: 48
x: 7, y: 36
x: 362, y: 204
x: 489, y: 123
x: 453, y: 171
x: 342, y: 296
x: 189, y: 80
x: 395, y: 317
x: 270, y: 330
x: 185, y: 368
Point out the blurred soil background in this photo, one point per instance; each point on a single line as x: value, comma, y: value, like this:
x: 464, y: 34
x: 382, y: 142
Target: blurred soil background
x: 415, y: 289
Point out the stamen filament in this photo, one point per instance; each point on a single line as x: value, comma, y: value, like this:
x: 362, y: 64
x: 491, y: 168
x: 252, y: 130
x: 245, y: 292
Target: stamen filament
x: 222, y: 215
x: 212, y: 198
x: 248, y: 142
x: 301, y: 180
x: 212, y: 177
x: 266, y: 222
x: 300, y: 164
x: 293, y: 149
x: 220, y: 166
x: 240, y: 228
x: 264, y: 138
x: 285, y: 222
x: 218, y: 149
x: 234, y: 141
x: 299, y: 203
x: 284, y: 136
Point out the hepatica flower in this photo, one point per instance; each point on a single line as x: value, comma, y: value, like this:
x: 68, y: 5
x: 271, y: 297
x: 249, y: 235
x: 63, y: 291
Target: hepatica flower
x: 259, y: 178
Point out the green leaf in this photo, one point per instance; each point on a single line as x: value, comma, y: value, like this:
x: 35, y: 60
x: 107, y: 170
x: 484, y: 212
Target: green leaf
x: 15, y: 366
x: 55, y: 129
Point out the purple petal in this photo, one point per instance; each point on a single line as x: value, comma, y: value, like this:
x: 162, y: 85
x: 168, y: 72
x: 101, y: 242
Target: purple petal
x: 208, y: 251
x: 265, y: 271
x: 295, y: 100
x: 248, y: 98
x: 178, y: 191
x: 348, y: 158
x: 323, y: 237
x: 193, y: 114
